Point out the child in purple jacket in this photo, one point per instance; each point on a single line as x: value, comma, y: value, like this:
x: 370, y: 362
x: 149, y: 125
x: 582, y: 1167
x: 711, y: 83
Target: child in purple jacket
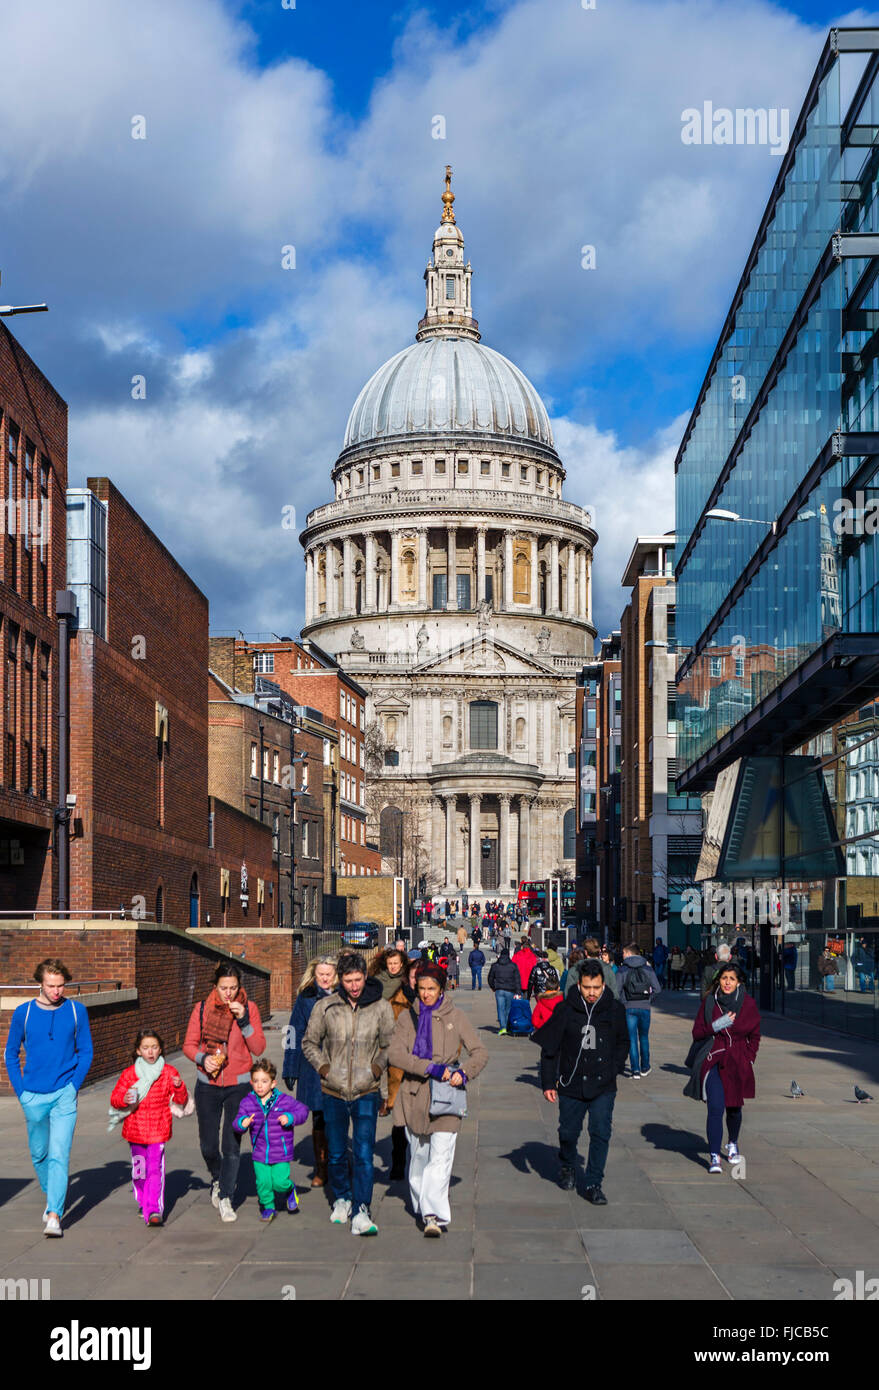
x: 269, y: 1117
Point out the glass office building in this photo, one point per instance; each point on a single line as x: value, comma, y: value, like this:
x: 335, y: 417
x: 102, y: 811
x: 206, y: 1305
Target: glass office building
x: 777, y: 492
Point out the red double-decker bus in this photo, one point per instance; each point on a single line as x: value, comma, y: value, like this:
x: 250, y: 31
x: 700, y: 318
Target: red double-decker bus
x: 532, y: 896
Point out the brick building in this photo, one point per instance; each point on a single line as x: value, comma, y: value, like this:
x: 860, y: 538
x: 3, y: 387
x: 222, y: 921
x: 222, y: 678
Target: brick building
x: 312, y: 678
x: 33, y: 481
x: 267, y: 758
x: 146, y: 837
x: 599, y: 711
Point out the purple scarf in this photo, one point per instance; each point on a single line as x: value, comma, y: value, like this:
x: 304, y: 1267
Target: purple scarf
x: 423, y: 1045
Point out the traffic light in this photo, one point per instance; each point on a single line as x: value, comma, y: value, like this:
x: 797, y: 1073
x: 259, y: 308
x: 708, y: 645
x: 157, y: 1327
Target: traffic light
x: 663, y: 909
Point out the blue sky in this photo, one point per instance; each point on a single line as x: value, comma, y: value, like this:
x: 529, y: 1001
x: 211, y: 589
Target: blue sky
x: 313, y: 126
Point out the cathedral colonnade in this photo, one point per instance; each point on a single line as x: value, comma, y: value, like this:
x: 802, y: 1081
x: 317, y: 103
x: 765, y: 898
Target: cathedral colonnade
x: 475, y: 822
x: 448, y: 567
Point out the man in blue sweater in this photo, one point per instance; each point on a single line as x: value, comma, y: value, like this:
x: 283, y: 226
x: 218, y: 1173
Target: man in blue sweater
x: 55, y: 1034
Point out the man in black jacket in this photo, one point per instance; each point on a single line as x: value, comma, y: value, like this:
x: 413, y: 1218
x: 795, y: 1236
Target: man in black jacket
x: 503, y: 978
x: 583, y: 1051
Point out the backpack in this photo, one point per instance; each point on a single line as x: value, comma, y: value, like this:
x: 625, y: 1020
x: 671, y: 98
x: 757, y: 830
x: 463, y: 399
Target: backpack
x: 519, y: 1021
x: 636, y: 984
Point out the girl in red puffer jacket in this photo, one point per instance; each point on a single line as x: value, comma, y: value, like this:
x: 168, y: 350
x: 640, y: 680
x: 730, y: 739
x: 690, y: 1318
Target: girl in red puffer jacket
x: 144, y: 1095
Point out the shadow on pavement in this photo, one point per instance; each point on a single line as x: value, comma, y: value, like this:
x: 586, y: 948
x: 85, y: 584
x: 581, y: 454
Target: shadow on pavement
x: 10, y: 1187
x: 542, y: 1159
x: 91, y: 1186
x: 665, y: 1139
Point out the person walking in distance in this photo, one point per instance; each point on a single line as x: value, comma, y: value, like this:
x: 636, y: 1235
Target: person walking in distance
x: 346, y: 1042
x: 660, y: 956
x: 726, y: 1037
x: 638, y: 988
x: 426, y: 1046
x: 583, y: 1051
x: 476, y: 961
x: 504, y: 979
x: 223, y: 1036
x: 525, y: 958
x: 57, y: 1041
x: 318, y: 982
x: 144, y: 1095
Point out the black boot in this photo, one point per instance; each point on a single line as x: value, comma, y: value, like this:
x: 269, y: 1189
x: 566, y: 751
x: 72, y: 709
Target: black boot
x: 398, y: 1154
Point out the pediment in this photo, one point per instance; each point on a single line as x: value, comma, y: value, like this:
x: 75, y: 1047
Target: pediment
x: 483, y: 653
x: 390, y: 704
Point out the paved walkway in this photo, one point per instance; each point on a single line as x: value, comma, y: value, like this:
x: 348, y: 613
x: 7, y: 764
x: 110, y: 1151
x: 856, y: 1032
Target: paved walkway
x: 806, y: 1213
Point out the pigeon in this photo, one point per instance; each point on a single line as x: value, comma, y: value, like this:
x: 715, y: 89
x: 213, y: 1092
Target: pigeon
x: 796, y: 1091
x: 861, y: 1095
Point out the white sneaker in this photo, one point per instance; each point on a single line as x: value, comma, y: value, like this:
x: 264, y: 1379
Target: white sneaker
x: 215, y: 1194
x: 432, y: 1226
x: 341, y: 1212
x: 716, y: 1165
x: 45, y: 1216
x: 732, y: 1153
x: 52, y: 1227
x: 363, y: 1224
x: 226, y: 1211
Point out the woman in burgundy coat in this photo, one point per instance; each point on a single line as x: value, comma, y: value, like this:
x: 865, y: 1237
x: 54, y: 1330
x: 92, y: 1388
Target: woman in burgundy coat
x: 729, y: 1022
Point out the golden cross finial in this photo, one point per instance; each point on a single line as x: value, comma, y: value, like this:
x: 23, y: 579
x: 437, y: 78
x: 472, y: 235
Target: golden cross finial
x: 448, y: 197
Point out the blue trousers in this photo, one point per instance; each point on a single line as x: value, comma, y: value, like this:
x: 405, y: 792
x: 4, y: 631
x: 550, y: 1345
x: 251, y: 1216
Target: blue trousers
x: 638, y: 1023
x: 572, y: 1113
x: 503, y: 998
x: 716, y: 1107
x: 475, y: 976
x: 362, y: 1114
x: 51, y: 1119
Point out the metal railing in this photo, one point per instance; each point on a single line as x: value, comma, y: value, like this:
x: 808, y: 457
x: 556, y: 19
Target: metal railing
x: 451, y: 500
x: 74, y: 986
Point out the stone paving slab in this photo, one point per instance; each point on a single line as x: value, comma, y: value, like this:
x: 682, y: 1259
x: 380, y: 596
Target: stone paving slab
x: 807, y: 1212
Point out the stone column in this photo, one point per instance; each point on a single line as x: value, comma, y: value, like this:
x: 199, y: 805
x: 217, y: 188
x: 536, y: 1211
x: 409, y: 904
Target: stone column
x: 475, y: 851
x: 524, y: 839
x: 504, y: 872
x: 508, y: 571
x: 571, y: 587
x: 535, y: 596
x: 581, y: 606
x: 553, y: 597
x: 310, y: 602
x: 395, y: 571
x: 480, y: 565
x: 347, y: 575
x: 449, y: 801
x: 452, y: 569
x: 332, y: 590
x: 422, y: 567
x: 589, y: 587
x: 370, y: 576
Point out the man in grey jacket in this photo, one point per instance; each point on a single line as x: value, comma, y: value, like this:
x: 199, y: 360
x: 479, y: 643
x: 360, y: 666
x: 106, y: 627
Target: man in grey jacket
x: 347, y: 1042
x: 638, y: 988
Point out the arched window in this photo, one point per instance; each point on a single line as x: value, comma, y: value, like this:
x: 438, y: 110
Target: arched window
x: 390, y: 825
x: 483, y: 724
x: 160, y: 904
x: 569, y: 836
x: 193, y: 901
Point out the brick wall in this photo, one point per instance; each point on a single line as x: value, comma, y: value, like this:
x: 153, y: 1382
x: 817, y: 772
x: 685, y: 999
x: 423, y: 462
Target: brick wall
x: 279, y: 951
x: 170, y: 969
x: 369, y: 899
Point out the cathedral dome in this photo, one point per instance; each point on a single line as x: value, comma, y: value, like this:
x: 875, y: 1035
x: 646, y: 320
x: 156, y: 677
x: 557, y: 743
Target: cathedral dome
x: 444, y: 385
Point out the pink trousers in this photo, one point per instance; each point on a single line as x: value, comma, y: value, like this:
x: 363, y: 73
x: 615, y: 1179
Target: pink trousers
x: 148, y: 1178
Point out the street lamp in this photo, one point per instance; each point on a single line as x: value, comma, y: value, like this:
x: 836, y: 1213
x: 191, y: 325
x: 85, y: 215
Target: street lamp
x: 721, y: 514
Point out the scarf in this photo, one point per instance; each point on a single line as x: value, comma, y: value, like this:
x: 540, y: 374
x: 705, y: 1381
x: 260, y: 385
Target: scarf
x: 147, y: 1073
x: 730, y: 1003
x: 423, y: 1045
x: 217, y: 1020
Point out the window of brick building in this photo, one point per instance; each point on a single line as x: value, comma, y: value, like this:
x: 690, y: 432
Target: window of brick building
x: 276, y: 768
x: 27, y: 715
x: 43, y: 568
x: 11, y: 519
x: 264, y: 662
x: 43, y: 724
x: 11, y: 772
x: 160, y: 781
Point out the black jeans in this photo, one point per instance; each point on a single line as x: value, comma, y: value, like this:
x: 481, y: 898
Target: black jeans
x: 214, y: 1104
x: 572, y: 1113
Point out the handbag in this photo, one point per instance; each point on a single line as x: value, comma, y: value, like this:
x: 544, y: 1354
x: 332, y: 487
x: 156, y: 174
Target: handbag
x: 445, y: 1099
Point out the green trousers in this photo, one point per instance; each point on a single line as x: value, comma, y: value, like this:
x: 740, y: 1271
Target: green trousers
x: 272, y: 1178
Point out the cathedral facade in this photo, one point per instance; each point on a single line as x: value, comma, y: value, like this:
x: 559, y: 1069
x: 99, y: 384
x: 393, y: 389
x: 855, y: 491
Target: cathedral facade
x: 453, y: 582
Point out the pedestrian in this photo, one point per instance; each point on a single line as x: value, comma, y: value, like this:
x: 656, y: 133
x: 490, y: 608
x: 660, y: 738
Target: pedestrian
x: 691, y: 967
x: 583, y: 1051
x: 507, y: 935
x: 828, y: 969
x: 452, y: 969
x: 57, y: 1041
x: 223, y: 1036
x: 549, y: 995
x: 461, y: 935
x: 505, y: 981
x: 539, y: 977
x: 726, y: 1037
x: 525, y: 958
x: 789, y: 957
x: 593, y: 952
x: 476, y: 961
x: 862, y: 962
x: 552, y: 955
x: 575, y: 955
x: 660, y: 956
x: 318, y: 982
x: 719, y: 958
x: 638, y: 988
x: 144, y: 1096
x: 347, y: 1044
x: 389, y: 968
x: 268, y: 1116
x: 606, y: 959
x: 676, y: 966
x: 401, y: 1001
x: 427, y: 1044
